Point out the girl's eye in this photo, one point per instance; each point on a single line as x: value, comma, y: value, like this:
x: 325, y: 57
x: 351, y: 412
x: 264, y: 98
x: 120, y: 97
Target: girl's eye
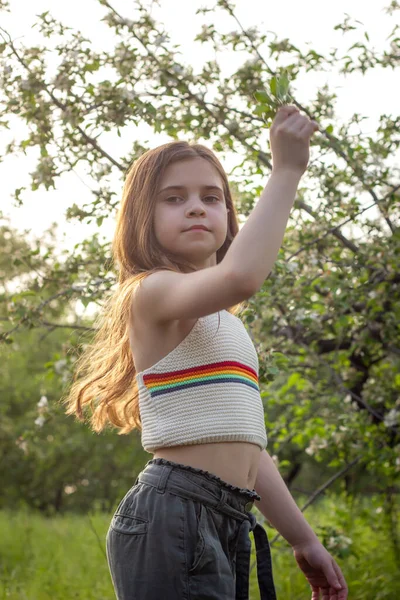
x: 173, y: 197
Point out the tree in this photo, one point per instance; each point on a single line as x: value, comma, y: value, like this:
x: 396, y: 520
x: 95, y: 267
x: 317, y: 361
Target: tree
x: 48, y: 461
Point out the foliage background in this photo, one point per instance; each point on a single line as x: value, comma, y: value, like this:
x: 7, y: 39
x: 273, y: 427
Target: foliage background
x: 326, y: 321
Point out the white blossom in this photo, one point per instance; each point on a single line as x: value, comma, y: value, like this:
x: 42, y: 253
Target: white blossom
x: 21, y: 443
x: 395, y: 48
x: 177, y: 69
x: 43, y: 401
x: 121, y: 53
x: 315, y: 444
x: 40, y: 420
x: 300, y: 314
x: 128, y: 94
x: 160, y: 39
x: 391, y: 418
x: 293, y: 266
x: 347, y: 540
x: 25, y: 84
x: 59, y: 365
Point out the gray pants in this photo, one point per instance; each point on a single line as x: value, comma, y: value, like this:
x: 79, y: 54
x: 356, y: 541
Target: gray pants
x: 181, y: 533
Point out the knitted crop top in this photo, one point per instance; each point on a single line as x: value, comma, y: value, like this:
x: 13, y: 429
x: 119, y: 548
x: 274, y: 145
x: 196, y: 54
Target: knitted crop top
x: 205, y: 390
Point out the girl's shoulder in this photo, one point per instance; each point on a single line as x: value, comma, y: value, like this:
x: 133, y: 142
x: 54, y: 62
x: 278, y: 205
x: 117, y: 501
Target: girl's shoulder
x: 168, y: 296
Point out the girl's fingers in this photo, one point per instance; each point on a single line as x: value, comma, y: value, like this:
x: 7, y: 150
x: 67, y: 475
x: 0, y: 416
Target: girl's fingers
x: 288, y: 108
x: 314, y: 593
x: 342, y: 580
x: 300, y: 125
x: 283, y: 113
x: 308, y: 128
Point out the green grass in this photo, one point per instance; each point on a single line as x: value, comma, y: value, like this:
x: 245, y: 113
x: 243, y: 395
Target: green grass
x: 53, y: 559
x: 63, y: 557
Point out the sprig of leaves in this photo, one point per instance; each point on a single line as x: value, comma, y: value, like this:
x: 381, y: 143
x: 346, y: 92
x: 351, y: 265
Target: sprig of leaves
x: 279, y: 95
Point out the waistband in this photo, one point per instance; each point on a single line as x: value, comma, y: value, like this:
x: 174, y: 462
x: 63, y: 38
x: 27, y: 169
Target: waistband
x: 234, y: 501
x: 199, y: 485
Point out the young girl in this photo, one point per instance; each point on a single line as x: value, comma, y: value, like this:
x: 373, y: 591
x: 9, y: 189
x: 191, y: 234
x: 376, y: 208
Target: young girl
x: 172, y: 359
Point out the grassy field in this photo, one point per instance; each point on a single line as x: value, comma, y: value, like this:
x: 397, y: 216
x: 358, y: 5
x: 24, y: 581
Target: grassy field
x: 63, y: 558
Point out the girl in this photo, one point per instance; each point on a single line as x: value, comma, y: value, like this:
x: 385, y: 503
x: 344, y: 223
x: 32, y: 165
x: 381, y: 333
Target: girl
x: 172, y: 359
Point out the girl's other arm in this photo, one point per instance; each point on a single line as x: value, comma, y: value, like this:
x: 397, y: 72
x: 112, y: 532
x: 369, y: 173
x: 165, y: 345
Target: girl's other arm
x: 278, y: 506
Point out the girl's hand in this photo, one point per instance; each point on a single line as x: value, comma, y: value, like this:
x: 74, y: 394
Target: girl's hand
x: 321, y: 570
x: 290, y: 135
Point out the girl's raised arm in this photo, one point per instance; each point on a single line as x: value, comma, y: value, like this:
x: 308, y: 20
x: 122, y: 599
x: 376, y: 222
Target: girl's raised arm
x: 254, y: 250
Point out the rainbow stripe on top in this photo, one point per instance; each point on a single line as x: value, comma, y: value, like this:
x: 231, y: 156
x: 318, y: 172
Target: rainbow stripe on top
x: 217, y: 372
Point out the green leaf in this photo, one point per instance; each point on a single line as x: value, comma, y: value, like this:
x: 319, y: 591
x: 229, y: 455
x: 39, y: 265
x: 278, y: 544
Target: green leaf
x: 263, y: 97
x: 25, y: 294
x: 273, y: 85
x: 294, y: 379
x: 282, y: 86
x: 273, y: 370
x: 260, y: 109
x: 150, y: 108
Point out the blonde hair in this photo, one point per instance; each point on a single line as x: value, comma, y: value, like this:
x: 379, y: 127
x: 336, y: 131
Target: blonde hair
x: 104, y: 375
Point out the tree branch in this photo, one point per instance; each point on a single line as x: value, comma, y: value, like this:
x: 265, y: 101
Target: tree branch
x: 63, y: 107
x: 357, y: 170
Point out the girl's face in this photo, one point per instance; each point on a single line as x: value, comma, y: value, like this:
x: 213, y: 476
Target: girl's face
x: 195, y: 196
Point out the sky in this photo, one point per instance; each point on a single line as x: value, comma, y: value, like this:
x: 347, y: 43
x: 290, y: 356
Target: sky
x: 307, y: 24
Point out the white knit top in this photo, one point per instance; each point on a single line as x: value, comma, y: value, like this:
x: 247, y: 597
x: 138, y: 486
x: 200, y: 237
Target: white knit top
x: 204, y: 390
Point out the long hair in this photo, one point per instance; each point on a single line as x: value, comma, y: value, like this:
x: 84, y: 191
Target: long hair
x: 104, y: 376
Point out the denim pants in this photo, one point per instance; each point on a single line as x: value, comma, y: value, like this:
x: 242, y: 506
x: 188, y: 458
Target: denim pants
x: 181, y: 533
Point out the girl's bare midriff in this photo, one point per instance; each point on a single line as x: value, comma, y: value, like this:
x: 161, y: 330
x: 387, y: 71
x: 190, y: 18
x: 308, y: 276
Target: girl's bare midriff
x: 234, y: 462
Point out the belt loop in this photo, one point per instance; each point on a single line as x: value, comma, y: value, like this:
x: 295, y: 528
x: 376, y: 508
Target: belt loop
x: 222, y: 500
x: 166, y: 471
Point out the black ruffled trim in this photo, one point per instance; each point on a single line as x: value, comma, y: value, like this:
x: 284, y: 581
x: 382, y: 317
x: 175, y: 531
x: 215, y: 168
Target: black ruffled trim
x: 252, y: 495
